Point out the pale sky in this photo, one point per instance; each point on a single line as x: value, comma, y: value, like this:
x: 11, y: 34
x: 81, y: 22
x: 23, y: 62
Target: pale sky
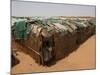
x: 26, y: 8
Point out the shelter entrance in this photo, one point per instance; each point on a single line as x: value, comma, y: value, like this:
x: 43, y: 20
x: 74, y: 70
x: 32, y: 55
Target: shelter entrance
x: 48, y: 49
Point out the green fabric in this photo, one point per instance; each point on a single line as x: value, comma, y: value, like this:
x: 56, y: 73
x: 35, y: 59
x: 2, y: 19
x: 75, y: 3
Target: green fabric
x: 28, y: 30
x: 20, y: 26
x: 21, y: 34
x: 20, y: 30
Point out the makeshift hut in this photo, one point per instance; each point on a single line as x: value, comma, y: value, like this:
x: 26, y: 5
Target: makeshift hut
x: 51, y: 39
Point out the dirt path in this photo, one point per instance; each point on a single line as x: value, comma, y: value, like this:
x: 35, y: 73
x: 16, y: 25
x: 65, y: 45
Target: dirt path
x: 82, y: 58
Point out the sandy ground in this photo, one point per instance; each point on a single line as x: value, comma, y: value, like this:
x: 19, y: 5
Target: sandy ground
x: 82, y: 58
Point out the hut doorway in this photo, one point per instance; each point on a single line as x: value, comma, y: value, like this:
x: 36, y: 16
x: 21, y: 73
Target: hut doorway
x: 47, y: 49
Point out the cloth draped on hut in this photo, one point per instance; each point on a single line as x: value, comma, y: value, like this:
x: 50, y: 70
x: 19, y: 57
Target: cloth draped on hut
x: 63, y: 27
x: 21, y: 30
